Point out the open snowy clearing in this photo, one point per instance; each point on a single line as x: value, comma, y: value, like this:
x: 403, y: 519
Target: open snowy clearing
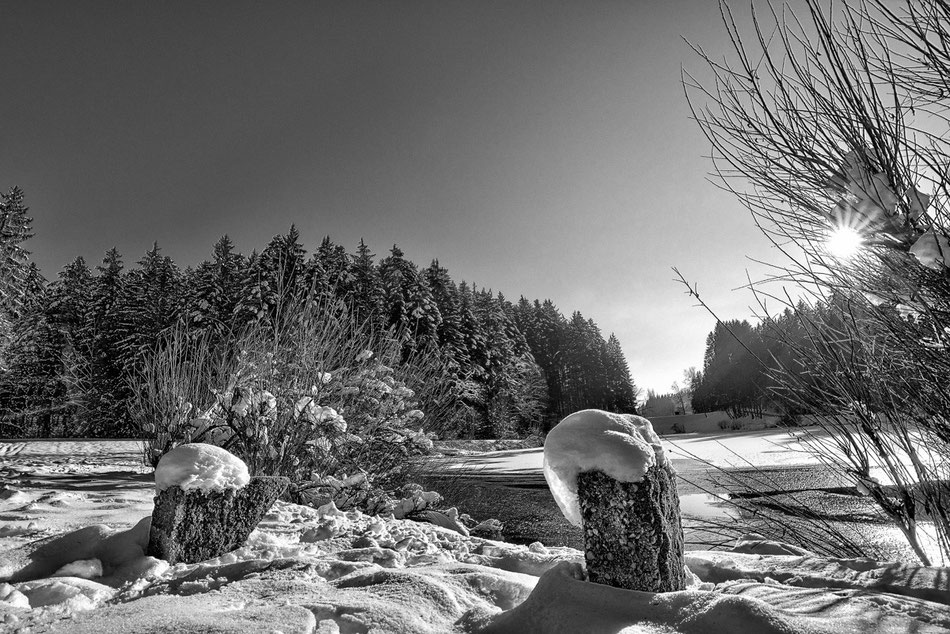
x: 73, y: 526
x: 767, y: 448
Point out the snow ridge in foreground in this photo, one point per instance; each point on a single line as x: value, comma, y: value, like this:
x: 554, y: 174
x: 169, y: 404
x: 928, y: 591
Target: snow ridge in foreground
x: 324, y: 570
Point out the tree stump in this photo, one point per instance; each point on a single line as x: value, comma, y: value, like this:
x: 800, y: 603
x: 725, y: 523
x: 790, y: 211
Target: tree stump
x: 193, y: 526
x: 633, y: 537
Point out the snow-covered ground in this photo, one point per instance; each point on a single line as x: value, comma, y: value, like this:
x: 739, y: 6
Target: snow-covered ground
x: 74, y: 523
x: 767, y: 448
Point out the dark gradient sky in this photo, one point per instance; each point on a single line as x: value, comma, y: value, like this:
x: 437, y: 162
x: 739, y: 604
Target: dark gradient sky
x: 538, y: 148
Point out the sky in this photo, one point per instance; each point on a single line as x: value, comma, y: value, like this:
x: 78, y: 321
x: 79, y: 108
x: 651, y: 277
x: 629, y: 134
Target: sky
x: 539, y: 148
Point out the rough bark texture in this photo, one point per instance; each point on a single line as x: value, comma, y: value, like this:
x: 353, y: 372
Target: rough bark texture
x: 633, y: 537
x: 192, y: 526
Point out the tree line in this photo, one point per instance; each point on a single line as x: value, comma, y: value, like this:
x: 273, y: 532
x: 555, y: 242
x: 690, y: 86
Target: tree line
x: 69, y: 346
x: 781, y: 364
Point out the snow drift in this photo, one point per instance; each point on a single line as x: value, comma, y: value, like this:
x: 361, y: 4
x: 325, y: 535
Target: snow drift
x: 78, y: 566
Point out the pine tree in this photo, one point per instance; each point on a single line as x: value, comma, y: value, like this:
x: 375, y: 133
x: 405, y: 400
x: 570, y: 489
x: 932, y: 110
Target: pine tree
x: 15, y: 228
x: 250, y: 307
x: 366, y: 297
x: 216, y: 290
x: 63, y: 338
x: 282, y: 273
x: 408, y: 301
x: 513, y: 387
x: 498, y: 347
x: 450, y: 336
x: 328, y: 271
x: 150, y: 303
x: 30, y: 370
x: 106, y: 389
x: 473, y: 335
x: 621, y: 391
x: 732, y: 377
x: 578, y: 362
x: 546, y: 337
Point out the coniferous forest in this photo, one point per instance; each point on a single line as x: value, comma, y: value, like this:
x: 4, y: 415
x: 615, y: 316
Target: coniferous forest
x: 785, y: 363
x: 71, y: 347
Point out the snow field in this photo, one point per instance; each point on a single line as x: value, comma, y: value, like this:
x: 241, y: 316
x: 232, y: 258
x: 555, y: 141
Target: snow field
x: 83, y: 569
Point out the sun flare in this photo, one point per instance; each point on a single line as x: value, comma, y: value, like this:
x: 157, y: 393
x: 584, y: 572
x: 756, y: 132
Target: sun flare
x: 844, y: 242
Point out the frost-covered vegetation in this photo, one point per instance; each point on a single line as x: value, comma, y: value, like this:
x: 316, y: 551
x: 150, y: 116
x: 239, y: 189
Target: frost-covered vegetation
x: 308, y: 394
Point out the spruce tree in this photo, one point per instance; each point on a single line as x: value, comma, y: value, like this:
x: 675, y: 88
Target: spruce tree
x: 216, y: 290
x: 473, y: 335
x: 366, y: 298
x: 150, y: 303
x: 513, y: 388
x: 15, y: 229
x: 621, y: 391
x: 578, y: 363
x: 106, y: 384
x: 32, y: 362
x: 328, y: 271
x: 547, y: 340
x: 450, y: 336
x: 250, y: 307
x: 282, y: 271
x: 64, y: 340
x: 408, y: 301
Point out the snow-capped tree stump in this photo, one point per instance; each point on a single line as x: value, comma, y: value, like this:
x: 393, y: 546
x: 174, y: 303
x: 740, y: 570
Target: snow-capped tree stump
x: 633, y: 537
x: 610, y: 476
x: 194, y: 525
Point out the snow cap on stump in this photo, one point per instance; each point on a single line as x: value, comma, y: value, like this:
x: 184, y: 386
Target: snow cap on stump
x: 201, y: 466
x: 622, y: 446
x: 206, y: 503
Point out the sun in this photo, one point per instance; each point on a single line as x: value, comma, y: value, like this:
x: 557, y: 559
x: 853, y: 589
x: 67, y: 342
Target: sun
x: 844, y: 242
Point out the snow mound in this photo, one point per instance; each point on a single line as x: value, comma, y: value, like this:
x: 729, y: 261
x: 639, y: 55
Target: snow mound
x: 562, y: 602
x: 924, y: 583
x: 201, y: 466
x: 623, y: 446
x: 82, y: 568
x: 68, y: 594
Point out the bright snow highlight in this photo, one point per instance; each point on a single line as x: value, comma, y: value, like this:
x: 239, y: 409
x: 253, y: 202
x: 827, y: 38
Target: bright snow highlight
x: 201, y: 466
x: 623, y: 446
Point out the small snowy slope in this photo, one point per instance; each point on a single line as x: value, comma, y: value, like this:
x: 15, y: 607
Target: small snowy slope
x: 561, y: 602
x: 921, y: 582
x: 322, y: 570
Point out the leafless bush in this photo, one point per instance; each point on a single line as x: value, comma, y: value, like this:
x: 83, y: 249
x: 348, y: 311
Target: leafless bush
x: 833, y: 124
x: 307, y: 392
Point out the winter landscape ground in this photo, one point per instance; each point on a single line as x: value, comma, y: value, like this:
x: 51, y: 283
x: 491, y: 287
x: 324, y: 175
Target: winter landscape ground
x: 73, y: 526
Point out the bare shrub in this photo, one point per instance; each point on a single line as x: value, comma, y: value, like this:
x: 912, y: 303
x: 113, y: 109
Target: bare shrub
x: 834, y: 124
x: 307, y: 392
